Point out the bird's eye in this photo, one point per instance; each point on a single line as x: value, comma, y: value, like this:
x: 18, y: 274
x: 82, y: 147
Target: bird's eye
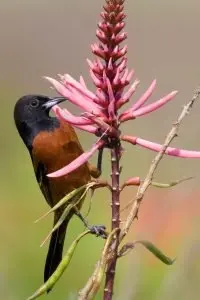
x: 34, y: 103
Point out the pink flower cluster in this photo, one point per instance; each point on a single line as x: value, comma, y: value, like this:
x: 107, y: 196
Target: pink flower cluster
x: 110, y: 75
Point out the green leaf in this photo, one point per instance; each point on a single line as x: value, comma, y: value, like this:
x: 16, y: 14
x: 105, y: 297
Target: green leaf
x: 67, y: 198
x: 48, y: 285
x: 64, y: 216
x: 155, y: 251
x: 170, y: 184
x: 60, y: 221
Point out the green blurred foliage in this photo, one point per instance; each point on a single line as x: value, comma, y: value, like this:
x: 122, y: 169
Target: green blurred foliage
x: 48, y: 37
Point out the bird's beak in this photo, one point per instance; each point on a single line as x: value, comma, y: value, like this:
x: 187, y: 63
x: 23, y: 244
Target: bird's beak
x: 53, y: 101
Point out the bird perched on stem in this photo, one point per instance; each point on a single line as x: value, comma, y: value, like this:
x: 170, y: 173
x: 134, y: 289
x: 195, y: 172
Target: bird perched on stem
x: 52, y: 144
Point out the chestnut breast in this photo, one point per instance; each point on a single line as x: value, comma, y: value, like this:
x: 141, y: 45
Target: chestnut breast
x: 55, y: 149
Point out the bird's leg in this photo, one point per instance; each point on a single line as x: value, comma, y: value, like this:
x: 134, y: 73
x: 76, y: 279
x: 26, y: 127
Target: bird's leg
x: 99, y: 230
x: 99, y: 161
x: 95, y: 171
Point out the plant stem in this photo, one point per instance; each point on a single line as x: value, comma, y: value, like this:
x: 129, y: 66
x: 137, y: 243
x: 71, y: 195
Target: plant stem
x: 110, y: 273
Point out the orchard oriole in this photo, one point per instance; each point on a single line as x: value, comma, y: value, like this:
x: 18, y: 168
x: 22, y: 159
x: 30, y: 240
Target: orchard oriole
x: 52, y: 144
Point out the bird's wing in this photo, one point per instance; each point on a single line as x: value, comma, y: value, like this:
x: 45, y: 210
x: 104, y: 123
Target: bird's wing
x: 42, y: 179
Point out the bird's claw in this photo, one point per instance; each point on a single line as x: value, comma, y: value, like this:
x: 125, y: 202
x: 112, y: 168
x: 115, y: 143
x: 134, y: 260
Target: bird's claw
x: 98, y: 230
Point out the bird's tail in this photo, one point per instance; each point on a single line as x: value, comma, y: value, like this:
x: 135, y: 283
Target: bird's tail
x: 56, y: 244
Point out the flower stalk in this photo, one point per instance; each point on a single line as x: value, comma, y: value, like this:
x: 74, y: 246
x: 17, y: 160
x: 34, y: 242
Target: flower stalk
x: 115, y: 205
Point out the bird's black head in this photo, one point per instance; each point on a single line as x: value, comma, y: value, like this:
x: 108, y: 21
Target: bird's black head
x: 31, y: 115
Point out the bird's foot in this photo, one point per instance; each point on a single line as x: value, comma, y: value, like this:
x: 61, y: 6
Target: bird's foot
x: 98, y: 230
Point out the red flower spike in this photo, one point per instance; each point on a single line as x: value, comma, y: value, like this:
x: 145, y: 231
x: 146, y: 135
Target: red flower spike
x: 110, y: 75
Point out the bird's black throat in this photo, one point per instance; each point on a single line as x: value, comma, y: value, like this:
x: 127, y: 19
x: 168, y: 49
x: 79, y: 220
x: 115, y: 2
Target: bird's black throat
x: 28, y: 130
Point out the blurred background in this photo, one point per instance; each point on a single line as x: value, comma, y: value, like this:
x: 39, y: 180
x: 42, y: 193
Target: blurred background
x: 49, y: 37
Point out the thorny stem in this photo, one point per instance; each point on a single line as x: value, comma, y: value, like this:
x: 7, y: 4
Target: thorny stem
x: 110, y: 273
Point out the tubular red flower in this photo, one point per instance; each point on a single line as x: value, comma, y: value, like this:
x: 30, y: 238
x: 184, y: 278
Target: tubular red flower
x: 111, y: 106
x: 133, y: 181
x: 83, y: 158
x: 123, y: 79
x: 145, y: 96
x: 98, y: 82
x: 70, y: 81
x: 82, y: 82
x: 116, y: 79
x: 88, y: 128
x: 81, y: 91
x: 122, y: 64
x: 129, y: 76
x: 103, y: 125
x: 157, y: 147
x: 102, y: 99
x: 130, y: 114
x: 65, y: 115
x: 154, y: 106
x: 74, y: 97
x: 126, y: 97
